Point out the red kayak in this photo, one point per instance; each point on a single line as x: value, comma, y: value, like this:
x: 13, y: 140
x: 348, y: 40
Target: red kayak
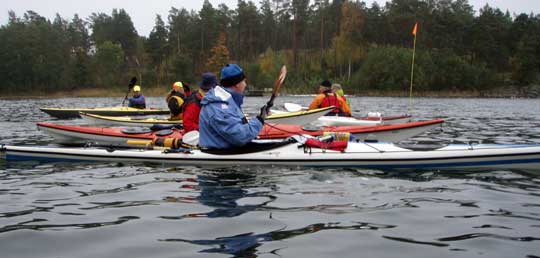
x: 81, y: 135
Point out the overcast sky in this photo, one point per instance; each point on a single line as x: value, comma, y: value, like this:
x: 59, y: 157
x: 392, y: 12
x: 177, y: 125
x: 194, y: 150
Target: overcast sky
x: 143, y: 13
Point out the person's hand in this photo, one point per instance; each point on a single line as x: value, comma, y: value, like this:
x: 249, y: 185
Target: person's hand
x: 263, y: 114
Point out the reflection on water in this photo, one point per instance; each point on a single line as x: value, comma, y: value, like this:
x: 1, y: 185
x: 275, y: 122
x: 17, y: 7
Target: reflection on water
x: 222, y: 190
x: 246, y: 244
x: 139, y: 210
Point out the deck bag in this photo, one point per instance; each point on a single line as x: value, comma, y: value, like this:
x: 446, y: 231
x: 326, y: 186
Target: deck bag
x: 332, y: 145
x: 171, y: 142
x: 337, y: 136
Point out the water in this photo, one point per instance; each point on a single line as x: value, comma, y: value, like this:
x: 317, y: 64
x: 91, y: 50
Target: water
x: 141, y: 210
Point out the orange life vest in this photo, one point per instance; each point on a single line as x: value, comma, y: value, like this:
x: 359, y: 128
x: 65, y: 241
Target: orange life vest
x: 331, y: 99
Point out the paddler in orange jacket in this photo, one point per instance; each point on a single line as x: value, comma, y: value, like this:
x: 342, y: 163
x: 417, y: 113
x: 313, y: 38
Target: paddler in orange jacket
x: 327, y: 98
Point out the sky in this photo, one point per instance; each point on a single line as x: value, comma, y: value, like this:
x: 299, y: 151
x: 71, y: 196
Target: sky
x: 143, y: 13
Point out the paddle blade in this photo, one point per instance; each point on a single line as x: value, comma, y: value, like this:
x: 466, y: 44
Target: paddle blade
x: 132, y: 82
x: 281, y: 78
x: 279, y: 81
x: 292, y: 107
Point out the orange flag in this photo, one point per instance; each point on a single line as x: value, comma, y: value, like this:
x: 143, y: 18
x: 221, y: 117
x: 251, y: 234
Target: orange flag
x: 415, y: 28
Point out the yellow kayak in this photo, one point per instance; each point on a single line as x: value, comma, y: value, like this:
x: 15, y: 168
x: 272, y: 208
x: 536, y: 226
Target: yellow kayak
x: 105, y: 111
x: 288, y: 118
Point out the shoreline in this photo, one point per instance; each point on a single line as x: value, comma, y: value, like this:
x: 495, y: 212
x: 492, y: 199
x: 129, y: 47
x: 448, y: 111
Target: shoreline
x: 508, y: 93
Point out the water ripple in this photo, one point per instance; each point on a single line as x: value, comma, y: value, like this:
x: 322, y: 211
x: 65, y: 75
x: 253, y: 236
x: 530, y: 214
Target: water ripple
x: 26, y: 225
x: 25, y: 212
x: 119, y: 204
x: 487, y: 235
x: 412, y: 241
x: 502, y: 213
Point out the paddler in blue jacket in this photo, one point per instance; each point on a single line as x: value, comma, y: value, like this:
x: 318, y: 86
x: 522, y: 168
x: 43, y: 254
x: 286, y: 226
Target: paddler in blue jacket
x: 137, y: 101
x: 222, y: 124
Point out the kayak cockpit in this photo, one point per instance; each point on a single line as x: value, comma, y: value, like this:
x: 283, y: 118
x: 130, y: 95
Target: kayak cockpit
x: 251, y: 147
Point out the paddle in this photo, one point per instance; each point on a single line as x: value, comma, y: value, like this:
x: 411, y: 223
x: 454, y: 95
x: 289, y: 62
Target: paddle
x: 130, y: 86
x: 279, y: 82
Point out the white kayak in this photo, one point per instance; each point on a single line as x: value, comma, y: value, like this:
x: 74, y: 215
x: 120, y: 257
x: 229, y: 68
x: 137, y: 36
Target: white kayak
x: 361, y: 121
x: 355, y: 154
x: 288, y: 118
x: 371, y: 119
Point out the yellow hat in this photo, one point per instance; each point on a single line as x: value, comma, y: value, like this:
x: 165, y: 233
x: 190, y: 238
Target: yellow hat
x: 136, y: 88
x: 178, y: 85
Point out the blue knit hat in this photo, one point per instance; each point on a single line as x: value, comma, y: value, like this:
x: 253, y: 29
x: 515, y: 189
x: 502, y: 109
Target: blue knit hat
x: 209, y: 81
x: 326, y: 83
x: 231, y: 74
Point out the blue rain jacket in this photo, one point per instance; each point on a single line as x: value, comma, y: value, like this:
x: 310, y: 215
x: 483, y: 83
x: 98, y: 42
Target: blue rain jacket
x: 222, y: 123
x: 137, y: 102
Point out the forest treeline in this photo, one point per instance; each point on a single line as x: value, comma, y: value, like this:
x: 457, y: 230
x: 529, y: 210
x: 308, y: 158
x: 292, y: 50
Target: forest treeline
x: 365, y: 48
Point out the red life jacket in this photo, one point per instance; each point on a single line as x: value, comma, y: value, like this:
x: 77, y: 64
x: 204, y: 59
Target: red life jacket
x: 195, y: 98
x: 192, y: 108
x: 331, y: 99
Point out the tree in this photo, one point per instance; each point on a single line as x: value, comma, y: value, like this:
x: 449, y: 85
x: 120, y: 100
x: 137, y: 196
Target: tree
x: 320, y: 22
x: 247, y: 28
x: 181, y: 30
x: 157, y: 48
x: 117, y: 28
x: 299, y: 14
x: 490, y: 37
x: 219, y: 55
x: 107, y: 64
x: 268, y: 26
x: 526, y: 62
x: 79, y: 44
x: 208, y: 29
x: 348, y: 43
x: 449, y: 27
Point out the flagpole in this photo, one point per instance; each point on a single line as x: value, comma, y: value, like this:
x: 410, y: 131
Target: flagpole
x: 412, y: 67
